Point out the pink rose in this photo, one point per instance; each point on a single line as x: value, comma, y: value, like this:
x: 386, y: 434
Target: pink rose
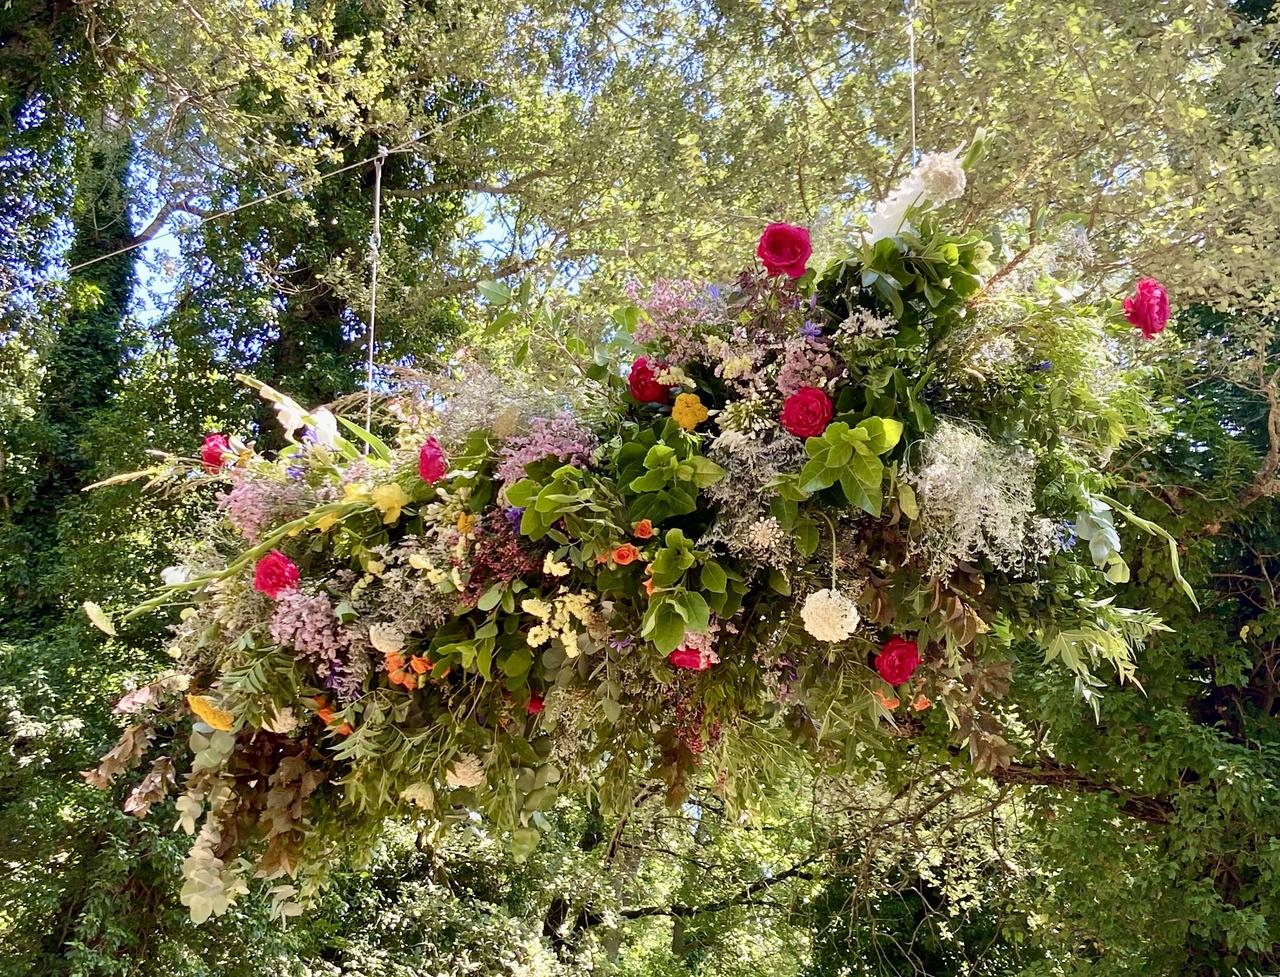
x: 214, y: 451
x: 898, y: 660
x: 1148, y: 307
x: 784, y: 249
x: 807, y: 412
x: 536, y: 704
x: 644, y: 383
x: 431, y: 462
x: 274, y: 574
x: 691, y: 658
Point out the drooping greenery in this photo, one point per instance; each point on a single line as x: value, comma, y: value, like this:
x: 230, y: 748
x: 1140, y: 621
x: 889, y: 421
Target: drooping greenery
x: 637, y: 142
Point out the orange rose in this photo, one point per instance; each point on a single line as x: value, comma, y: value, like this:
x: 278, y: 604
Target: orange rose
x: 921, y: 703
x: 643, y: 529
x: 419, y: 664
x: 648, y: 586
x: 625, y: 554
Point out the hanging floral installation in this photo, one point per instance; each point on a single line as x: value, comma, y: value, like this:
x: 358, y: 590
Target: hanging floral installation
x: 807, y: 508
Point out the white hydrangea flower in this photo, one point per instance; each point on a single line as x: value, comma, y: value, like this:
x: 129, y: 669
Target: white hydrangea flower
x: 467, y: 771
x: 941, y: 176
x: 829, y: 616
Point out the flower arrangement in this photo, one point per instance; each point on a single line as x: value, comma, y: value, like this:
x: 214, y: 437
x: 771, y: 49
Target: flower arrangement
x: 809, y: 499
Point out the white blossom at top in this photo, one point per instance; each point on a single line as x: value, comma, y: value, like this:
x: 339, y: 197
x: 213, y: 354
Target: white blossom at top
x: 829, y: 616
x: 890, y: 214
x: 940, y: 176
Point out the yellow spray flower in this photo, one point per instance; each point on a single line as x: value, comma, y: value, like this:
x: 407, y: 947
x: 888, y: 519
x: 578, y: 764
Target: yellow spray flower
x: 389, y: 499
x: 219, y: 719
x: 688, y: 411
x: 466, y: 524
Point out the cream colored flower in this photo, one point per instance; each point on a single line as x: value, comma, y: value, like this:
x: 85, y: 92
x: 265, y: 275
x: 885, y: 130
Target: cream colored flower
x: 941, y: 176
x: 554, y: 568
x: 829, y: 616
x: 386, y: 639
x: 467, y: 771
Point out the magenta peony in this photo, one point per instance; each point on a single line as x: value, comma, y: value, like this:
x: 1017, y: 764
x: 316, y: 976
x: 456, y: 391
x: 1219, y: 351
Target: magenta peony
x: 214, y: 452
x: 807, y: 412
x: 1148, y: 308
x: 431, y: 461
x: 644, y: 384
x: 898, y: 660
x: 784, y: 249
x: 691, y: 658
x: 275, y: 574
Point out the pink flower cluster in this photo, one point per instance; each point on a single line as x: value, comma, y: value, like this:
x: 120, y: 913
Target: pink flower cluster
x: 559, y: 437
x: 310, y: 627
x: 807, y: 361
x: 255, y: 505
x: 677, y: 313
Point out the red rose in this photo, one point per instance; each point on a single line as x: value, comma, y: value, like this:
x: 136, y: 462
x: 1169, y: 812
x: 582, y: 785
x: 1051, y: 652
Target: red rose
x: 216, y: 448
x: 275, y: 574
x: 806, y: 413
x: 898, y: 660
x: 431, y: 463
x: 644, y: 384
x: 784, y: 249
x: 536, y: 704
x: 690, y: 658
x: 1148, y: 307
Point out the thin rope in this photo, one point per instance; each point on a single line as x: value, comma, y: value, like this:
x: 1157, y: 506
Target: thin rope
x: 911, y: 56
x: 375, y: 249
x: 293, y: 188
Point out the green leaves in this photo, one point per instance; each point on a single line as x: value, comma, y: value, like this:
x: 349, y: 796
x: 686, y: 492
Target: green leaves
x: 661, y: 472
x: 850, y: 456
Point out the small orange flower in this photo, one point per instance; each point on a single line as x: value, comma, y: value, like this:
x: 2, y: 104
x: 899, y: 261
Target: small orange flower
x: 346, y: 729
x: 419, y: 664
x: 325, y: 714
x: 890, y: 702
x: 625, y: 554
x: 397, y: 672
x: 921, y: 703
x: 648, y: 586
x: 602, y: 557
x: 643, y: 529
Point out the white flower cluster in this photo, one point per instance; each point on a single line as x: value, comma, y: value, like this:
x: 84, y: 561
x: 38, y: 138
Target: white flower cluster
x: 828, y: 615
x: 937, y: 178
x: 977, y: 499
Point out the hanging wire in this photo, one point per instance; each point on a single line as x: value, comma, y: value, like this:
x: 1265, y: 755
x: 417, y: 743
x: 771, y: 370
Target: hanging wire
x: 292, y: 188
x: 910, y: 44
x: 375, y: 249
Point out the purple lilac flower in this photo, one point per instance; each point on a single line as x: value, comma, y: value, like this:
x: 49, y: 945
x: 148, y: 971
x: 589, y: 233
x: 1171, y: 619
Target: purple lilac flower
x: 514, y: 514
x: 811, y: 330
x: 559, y: 437
x: 309, y: 626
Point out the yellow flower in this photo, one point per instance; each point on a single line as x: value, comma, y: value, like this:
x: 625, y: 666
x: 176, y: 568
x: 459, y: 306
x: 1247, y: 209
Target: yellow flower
x: 326, y: 522
x: 389, y: 499
x: 355, y: 492
x: 688, y: 411
x: 219, y: 719
x: 466, y: 524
